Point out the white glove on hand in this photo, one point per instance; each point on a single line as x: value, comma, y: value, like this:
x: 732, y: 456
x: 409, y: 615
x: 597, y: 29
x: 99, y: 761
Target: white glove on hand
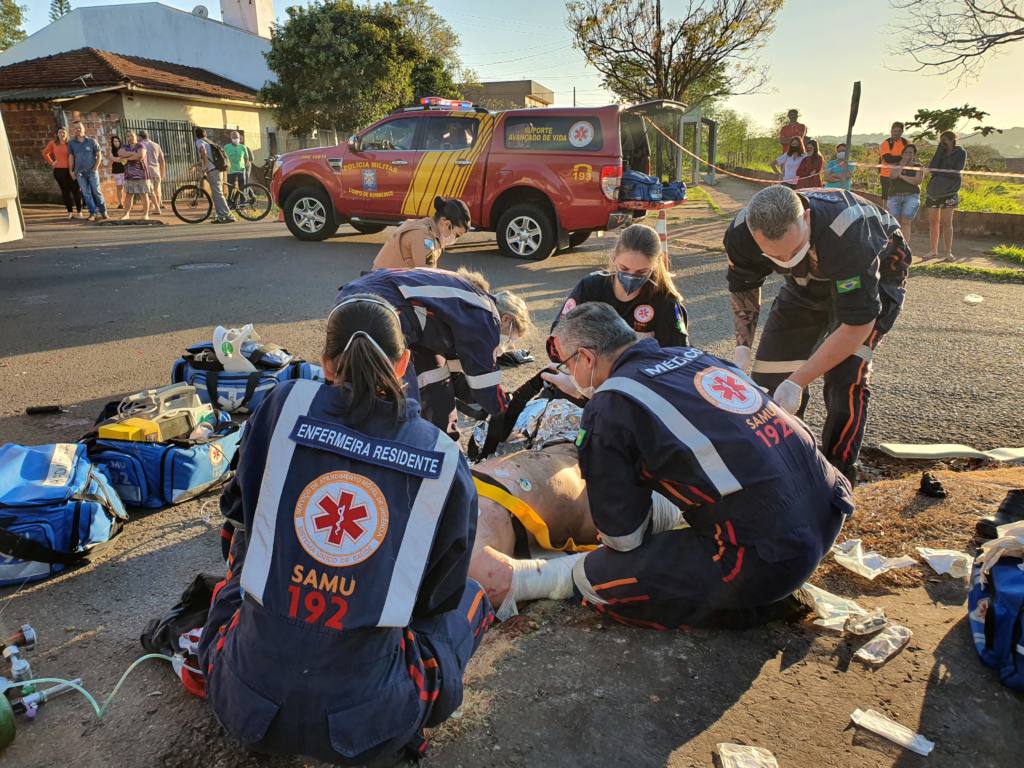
x: 742, y: 357
x: 788, y: 395
x: 563, y: 381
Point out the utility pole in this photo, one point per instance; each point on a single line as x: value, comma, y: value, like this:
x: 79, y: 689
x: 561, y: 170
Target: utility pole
x: 574, y: 95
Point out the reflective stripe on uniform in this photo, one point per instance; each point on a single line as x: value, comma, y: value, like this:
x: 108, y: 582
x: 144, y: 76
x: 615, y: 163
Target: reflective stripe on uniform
x: 776, y: 366
x: 579, y: 578
x: 865, y: 352
x: 418, y: 538
x: 256, y: 568
x: 421, y: 315
x: 703, y: 449
x: 441, y: 373
x: 628, y: 541
x: 447, y: 292
x: 852, y: 215
x: 483, y: 380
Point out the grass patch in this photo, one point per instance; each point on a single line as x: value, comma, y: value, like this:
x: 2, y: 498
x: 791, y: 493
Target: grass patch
x: 971, y: 272
x: 695, y: 194
x: 1012, y: 253
x: 985, y: 196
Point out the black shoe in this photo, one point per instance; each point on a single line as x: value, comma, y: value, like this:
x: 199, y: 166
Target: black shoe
x: 1010, y: 511
x: 515, y: 357
x: 932, y: 486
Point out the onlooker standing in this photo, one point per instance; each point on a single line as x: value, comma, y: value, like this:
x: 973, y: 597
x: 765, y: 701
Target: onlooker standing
x: 156, y: 164
x: 791, y: 130
x: 905, y: 190
x: 808, y: 173
x: 239, y: 161
x: 835, y: 170
x: 214, y: 175
x: 117, y: 168
x: 943, y: 193
x: 84, y: 158
x: 56, y: 155
x: 890, y: 153
x: 136, y: 175
x: 786, y: 164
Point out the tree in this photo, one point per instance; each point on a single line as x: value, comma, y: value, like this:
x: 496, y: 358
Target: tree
x: 434, y: 34
x: 339, y: 65
x: 432, y: 77
x: 12, y: 17
x: 932, y: 122
x: 58, y: 8
x: 703, y: 54
x: 956, y: 36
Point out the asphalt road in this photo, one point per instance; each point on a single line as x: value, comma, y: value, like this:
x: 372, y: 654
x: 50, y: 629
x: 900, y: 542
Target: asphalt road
x: 88, y: 313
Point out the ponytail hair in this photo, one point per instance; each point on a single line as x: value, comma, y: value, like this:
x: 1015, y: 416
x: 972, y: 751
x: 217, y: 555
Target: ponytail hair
x: 646, y: 241
x: 364, y: 339
x: 453, y: 209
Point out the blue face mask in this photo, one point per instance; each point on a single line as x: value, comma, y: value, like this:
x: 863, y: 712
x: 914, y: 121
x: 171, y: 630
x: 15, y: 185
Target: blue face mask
x: 631, y: 283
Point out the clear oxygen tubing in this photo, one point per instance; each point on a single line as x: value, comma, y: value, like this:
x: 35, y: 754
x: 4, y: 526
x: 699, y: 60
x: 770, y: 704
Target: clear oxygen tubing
x: 97, y: 708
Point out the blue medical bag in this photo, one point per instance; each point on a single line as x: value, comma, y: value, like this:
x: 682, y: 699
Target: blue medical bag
x: 674, y: 191
x: 639, y: 186
x: 55, y: 507
x: 239, y: 392
x: 996, y: 617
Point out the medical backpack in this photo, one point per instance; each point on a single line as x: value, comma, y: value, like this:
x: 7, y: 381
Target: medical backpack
x: 996, y: 617
x: 154, y: 475
x: 674, y: 191
x: 240, y: 392
x: 640, y: 187
x: 55, y: 507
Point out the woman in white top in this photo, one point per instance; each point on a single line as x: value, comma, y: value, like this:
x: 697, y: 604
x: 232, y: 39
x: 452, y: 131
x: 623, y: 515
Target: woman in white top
x: 786, y: 165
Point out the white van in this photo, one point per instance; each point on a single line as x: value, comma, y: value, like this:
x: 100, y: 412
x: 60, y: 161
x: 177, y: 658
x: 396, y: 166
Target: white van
x: 12, y: 225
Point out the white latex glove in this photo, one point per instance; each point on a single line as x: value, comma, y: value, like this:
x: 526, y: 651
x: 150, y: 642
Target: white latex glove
x: 788, y: 395
x: 742, y: 357
x: 561, y: 380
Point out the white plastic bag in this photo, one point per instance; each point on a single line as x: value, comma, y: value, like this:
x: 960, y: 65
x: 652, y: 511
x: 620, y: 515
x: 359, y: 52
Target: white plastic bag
x: 833, y: 611
x: 867, y: 624
x: 956, y: 564
x: 742, y: 756
x: 851, y: 555
x: 893, y: 731
x: 884, y: 646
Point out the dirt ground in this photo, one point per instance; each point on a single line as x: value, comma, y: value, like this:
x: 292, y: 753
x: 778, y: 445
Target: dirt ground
x: 558, y: 685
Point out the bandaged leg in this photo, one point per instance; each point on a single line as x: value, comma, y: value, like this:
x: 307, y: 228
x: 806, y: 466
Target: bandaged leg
x: 539, y: 580
x: 665, y: 515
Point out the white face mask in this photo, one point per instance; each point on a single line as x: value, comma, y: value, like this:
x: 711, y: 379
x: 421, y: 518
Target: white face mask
x: 840, y: 155
x: 587, y: 391
x: 797, y: 257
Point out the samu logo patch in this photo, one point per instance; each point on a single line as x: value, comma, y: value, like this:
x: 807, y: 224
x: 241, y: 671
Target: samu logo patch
x: 848, y: 285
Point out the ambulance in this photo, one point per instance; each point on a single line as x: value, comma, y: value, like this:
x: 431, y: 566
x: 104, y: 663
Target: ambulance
x: 541, y: 179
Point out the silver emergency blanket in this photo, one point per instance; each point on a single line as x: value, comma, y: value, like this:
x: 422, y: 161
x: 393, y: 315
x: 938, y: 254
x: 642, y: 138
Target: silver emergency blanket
x: 542, y: 422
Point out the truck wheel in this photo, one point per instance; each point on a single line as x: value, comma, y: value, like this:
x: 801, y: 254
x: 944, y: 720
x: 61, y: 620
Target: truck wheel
x: 579, y: 237
x: 307, y: 212
x: 367, y: 229
x: 526, y: 231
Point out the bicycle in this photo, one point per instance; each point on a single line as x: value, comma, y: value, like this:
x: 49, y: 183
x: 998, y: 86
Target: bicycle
x: 192, y: 203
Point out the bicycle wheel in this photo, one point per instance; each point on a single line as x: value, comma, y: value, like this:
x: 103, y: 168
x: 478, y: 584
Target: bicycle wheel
x: 253, y: 202
x: 191, y: 204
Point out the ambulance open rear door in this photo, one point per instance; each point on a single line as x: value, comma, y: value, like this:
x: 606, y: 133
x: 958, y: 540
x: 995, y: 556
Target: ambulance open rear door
x: 12, y: 225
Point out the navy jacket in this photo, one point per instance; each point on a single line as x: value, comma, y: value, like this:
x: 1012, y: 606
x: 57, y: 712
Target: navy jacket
x: 447, y: 315
x: 862, y: 258
x: 695, y: 429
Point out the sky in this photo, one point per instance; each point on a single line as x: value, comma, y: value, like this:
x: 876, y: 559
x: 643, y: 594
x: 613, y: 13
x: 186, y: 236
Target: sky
x: 812, y: 65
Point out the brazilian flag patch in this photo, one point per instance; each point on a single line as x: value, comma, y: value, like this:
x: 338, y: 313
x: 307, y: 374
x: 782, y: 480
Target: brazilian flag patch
x: 581, y: 437
x: 848, y: 285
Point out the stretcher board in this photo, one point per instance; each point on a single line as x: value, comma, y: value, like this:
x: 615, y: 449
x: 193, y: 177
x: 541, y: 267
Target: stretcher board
x: 948, y: 451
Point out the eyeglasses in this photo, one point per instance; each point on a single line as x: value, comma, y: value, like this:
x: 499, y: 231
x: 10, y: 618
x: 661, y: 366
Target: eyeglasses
x: 562, y: 366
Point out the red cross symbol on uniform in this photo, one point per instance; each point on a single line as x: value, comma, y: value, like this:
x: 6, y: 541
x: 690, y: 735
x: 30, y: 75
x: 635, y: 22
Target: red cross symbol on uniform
x: 341, y: 517
x: 729, y: 388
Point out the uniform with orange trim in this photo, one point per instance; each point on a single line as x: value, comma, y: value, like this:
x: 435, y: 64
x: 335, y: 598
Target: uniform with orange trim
x: 851, y: 271
x: 763, y: 505
x: 346, y: 618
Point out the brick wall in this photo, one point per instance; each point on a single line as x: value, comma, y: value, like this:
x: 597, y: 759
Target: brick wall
x: 30, y: 125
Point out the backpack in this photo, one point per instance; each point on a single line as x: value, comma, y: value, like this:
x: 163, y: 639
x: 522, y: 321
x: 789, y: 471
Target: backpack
x: 239, y: 392
x: 55, y: 507
x: 217, y: 155
x: 996, y: 617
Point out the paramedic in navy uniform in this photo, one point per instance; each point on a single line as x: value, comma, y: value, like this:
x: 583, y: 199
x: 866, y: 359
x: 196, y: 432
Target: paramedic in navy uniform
x: 845, y: 264
x: 639, y: 286
x: 346, y: 618
x: 456, y: 328
x: 763, y: 505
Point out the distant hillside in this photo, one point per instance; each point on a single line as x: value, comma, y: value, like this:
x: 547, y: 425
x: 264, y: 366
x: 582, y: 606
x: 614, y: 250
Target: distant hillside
x: 1009, y: 143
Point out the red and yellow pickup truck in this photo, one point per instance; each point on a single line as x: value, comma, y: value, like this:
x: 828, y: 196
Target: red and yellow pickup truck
x: 541, y: 179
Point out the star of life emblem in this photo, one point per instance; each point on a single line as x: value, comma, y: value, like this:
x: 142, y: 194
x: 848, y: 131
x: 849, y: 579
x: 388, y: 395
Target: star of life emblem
x: 341, y: 519
x: 728, y: 390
